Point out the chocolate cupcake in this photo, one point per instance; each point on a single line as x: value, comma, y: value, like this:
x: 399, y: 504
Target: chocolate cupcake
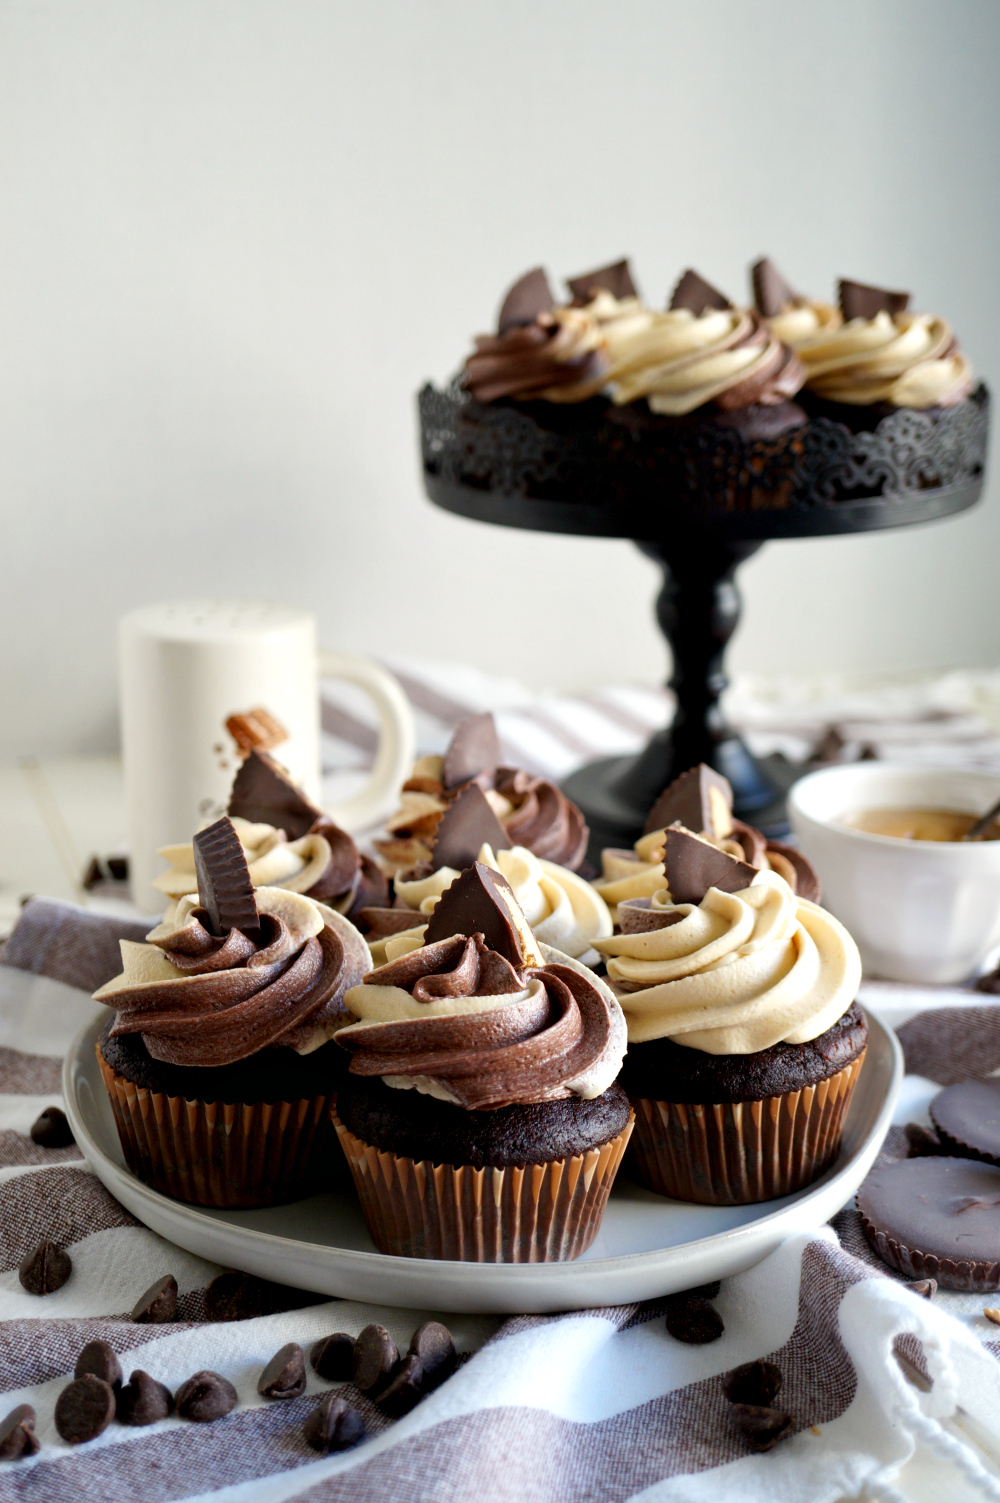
x: 702, y: 801
x: 480, y: 1119
x: 218, y: 1060
x: 534, y: 811
x: 936, y: 1218
x: 288, y: 842
x: 745, y: 1042
x: 562, y: 909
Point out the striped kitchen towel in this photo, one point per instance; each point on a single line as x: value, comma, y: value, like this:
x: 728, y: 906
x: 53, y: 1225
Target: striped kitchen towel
x: 595, y: 1405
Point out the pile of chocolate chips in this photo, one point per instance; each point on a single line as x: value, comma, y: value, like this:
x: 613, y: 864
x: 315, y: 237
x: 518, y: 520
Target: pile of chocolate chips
x: 751, y: 1391
x: 373, y: 1363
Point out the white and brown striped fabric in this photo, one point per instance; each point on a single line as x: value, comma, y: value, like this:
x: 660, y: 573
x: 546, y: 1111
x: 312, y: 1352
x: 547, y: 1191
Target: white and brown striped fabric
x: 599, y: 1405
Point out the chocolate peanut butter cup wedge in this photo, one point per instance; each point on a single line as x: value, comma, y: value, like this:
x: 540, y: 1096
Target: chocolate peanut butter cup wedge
x: 229, y: 1007
x: 477, y: 1053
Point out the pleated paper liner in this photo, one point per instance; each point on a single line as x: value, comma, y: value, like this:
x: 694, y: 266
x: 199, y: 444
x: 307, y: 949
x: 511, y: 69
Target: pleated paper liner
x: 538, y: 1213
x: 736, y: 1153
x: 219, y: 1153
x: 972, y: 1277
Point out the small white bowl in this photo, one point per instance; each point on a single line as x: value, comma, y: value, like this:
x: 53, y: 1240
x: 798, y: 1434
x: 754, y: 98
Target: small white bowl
x: 920, y: 910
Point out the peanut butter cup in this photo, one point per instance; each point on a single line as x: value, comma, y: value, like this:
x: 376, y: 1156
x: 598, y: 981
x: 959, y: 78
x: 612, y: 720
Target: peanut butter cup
x: 936, y: 1218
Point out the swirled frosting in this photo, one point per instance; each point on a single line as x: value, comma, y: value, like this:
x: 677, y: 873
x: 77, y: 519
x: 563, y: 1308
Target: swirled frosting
x: 682, y: 360
x: 202, y: 1000
x: 557, y: 352
x: 736, y: 973
x: 457, y: 1021
x: 534, y: 812
x: 562, y: 909
x: 324, y: 864
x: 906, y: 359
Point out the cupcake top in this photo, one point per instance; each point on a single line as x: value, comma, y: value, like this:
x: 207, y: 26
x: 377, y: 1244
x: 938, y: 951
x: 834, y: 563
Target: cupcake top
x: 236, y: 970
x: 532, y: 811
x: 871, y: 349
x: 702, y: 801
x: 480, y: 1014
x: 538, y: 349
x: 726, y: 959
x: 287, y: 841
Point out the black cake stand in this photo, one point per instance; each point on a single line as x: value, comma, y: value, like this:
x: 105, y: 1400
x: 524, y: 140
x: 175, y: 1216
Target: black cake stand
x: 698, y: 497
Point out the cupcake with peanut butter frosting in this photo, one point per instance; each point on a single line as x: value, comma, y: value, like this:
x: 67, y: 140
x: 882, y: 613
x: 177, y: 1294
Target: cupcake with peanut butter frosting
x: 745, y: 1040
x: 481, y: 1119
x: 218, y: 1058
x: 701, y: 800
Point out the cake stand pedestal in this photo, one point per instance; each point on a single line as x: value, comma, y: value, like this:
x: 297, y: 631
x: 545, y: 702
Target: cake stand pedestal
x: 698, y: 499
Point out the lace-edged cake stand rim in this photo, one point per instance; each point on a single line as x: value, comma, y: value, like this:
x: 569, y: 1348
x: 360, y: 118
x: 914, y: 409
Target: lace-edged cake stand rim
x: 593, y: 473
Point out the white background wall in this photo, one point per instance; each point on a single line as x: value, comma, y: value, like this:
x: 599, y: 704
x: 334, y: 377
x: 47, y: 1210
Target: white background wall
x: 236, y: 236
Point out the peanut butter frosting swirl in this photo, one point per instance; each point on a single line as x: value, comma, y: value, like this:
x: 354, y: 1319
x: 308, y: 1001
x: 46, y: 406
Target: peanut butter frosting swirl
x: 561, y: 908
x: 324, y: 864
x: 907, y: 359
x: 457, y: 1021
x: 736, y: 973
x: 203, y: 1000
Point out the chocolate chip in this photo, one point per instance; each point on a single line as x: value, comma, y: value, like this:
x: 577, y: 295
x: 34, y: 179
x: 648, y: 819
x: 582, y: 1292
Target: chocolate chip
x: 51, y: 1129
x: 926, y: 1288
x: 205, y: 1397
x: 143, y: 1401
x: 46, y: 1269
x: 405, y: 1389
x: 332, y: 1357
x: 921, y: 1142
x: 432, y: 1343
x: 760, y: 1426
x: 333, y: 1425
x: 284, y: 1377
x: 84, y: 1408
x: 17, y: 1434
x: 690, y: 1318
x: 756, y: 1383
x: 158, y: 1304
x: 98, y: 1357
x: 375, y: 1358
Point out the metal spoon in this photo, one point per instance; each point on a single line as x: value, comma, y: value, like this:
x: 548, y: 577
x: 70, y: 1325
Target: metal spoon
x: 982, y: 825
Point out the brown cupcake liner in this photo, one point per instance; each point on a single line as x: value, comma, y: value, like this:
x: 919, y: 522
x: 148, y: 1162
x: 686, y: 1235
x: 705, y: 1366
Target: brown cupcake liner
x: 972, y: 1277
x: 737, y: 1153
x: 536, y: 1213
x: 222, y: 1154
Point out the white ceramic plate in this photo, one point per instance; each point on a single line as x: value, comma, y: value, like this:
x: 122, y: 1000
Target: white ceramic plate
x: 647, y: 1246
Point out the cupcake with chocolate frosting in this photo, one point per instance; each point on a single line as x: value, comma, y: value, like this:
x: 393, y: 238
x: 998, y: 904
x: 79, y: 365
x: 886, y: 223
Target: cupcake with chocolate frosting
x: 534, y: 811
x: 481, y: 1119
x: 745, y: 1040
x: 538, y: 351
x: 218, y: 1058
x: 288, y: 842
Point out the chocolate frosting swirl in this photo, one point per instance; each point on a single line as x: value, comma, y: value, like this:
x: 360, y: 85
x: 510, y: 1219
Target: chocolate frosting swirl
x: 559, y: 349
x: 202, y: 1000
x: 458, y: 1021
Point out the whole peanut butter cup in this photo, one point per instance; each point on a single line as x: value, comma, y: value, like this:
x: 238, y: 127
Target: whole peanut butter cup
x: 967, y: 1118
x: 936, y: 1218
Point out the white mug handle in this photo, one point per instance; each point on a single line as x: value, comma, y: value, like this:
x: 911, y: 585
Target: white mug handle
x: 397, y: 740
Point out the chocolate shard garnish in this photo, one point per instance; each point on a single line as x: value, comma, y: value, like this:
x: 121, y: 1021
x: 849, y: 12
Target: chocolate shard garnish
x: 616, y: 279
x: 264, y: 793
x: 527, y: 298
x: 692, y: 866
x: 473, y: 748
x: 696, y: 295
x: 700, y: 800
x: 858, y: 300
x: 481, y: 901
x: 771, y: 293
x: 224, y: 887
x: 464, y: 828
